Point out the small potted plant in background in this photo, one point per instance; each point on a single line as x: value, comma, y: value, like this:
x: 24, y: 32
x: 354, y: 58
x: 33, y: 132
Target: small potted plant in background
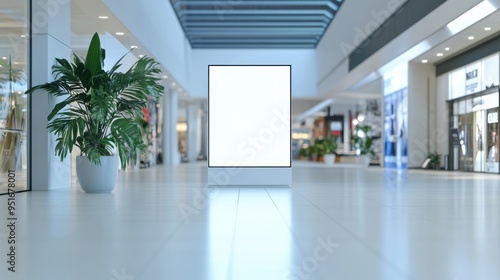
x: 304, y: 153
x: 363, y: 142
x: 330, y: 149
x: 435, y: 160
x: 100, y: 113
x: 314, y: 150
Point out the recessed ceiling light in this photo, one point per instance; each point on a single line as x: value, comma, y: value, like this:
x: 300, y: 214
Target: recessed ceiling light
x: 165, y: 76
x: 120, y: 33
x: 19, y: 92
x: 23, y: 36
x: 173, y: 84
x: 424, y: 61
x: 487, y: 28
x: 16, y: 63
x: 103, y: 17
x: 133, y: 47
x: 141, y: 56
x: 446, y: 49
x: 4, y: 57
x: 180, y: 89
x: 470, y: 37
x: 439, y: 54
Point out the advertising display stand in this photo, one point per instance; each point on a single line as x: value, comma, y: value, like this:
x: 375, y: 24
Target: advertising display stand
x: 249, y: 125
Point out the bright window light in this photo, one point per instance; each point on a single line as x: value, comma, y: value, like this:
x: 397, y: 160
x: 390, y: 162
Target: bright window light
x: 470, y: 17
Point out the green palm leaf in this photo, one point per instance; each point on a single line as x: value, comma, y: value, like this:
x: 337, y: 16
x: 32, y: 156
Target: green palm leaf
x: 100, y: 110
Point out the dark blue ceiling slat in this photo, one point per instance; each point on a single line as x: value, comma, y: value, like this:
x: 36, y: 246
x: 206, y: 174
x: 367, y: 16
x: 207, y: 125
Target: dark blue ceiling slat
x: 210, y: 25
x: 255, y: 18
x: 255, y: 23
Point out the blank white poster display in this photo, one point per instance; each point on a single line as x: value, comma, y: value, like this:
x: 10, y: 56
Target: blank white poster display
x: 249, y: 139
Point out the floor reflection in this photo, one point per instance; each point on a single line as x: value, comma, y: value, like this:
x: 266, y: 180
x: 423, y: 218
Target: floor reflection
x: 249, y: 237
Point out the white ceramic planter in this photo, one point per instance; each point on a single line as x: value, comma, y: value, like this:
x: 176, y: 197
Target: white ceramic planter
x: 97, y: 178
x: 329, y: 159
x: 363, y: 160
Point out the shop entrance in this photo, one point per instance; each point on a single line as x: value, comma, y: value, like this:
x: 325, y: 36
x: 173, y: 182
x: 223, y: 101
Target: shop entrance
x: 476, y: 119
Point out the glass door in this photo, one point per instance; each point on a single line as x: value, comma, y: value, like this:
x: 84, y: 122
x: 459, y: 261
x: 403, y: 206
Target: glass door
x: 479, y: 149
x: 466, y: 129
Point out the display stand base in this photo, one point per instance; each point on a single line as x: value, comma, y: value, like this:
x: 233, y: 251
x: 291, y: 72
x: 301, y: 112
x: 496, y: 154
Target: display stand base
x: 250, y: 177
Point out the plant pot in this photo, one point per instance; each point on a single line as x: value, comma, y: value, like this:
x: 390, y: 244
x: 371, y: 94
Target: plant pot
x: 363, y: 160
x: 329, y: 159
x: 97, y: 178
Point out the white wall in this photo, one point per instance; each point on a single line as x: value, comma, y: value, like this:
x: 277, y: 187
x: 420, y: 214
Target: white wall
x: 155, y: 25
x: 303, y: 67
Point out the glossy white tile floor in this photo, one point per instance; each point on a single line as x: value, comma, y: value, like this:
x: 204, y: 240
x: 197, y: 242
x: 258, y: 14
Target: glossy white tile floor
x: 334, y: 223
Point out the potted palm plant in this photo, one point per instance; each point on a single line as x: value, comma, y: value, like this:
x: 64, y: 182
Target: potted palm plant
x: 435, y: 160
x: 319, y: 145
x: 330, y: 149
x: 99, y: 113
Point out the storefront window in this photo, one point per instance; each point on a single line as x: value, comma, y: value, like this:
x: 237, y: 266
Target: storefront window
x: 491, y: 71
x: 13, y: 102
x: 476, y: 119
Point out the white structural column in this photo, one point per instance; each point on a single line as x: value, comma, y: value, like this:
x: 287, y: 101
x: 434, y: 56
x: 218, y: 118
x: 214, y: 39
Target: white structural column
x: 347, y: 131
x: 51, y: 34
x: 422, y: 135
x: 204, y: 131
x: 170, y: 144
x: 193, y: 131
